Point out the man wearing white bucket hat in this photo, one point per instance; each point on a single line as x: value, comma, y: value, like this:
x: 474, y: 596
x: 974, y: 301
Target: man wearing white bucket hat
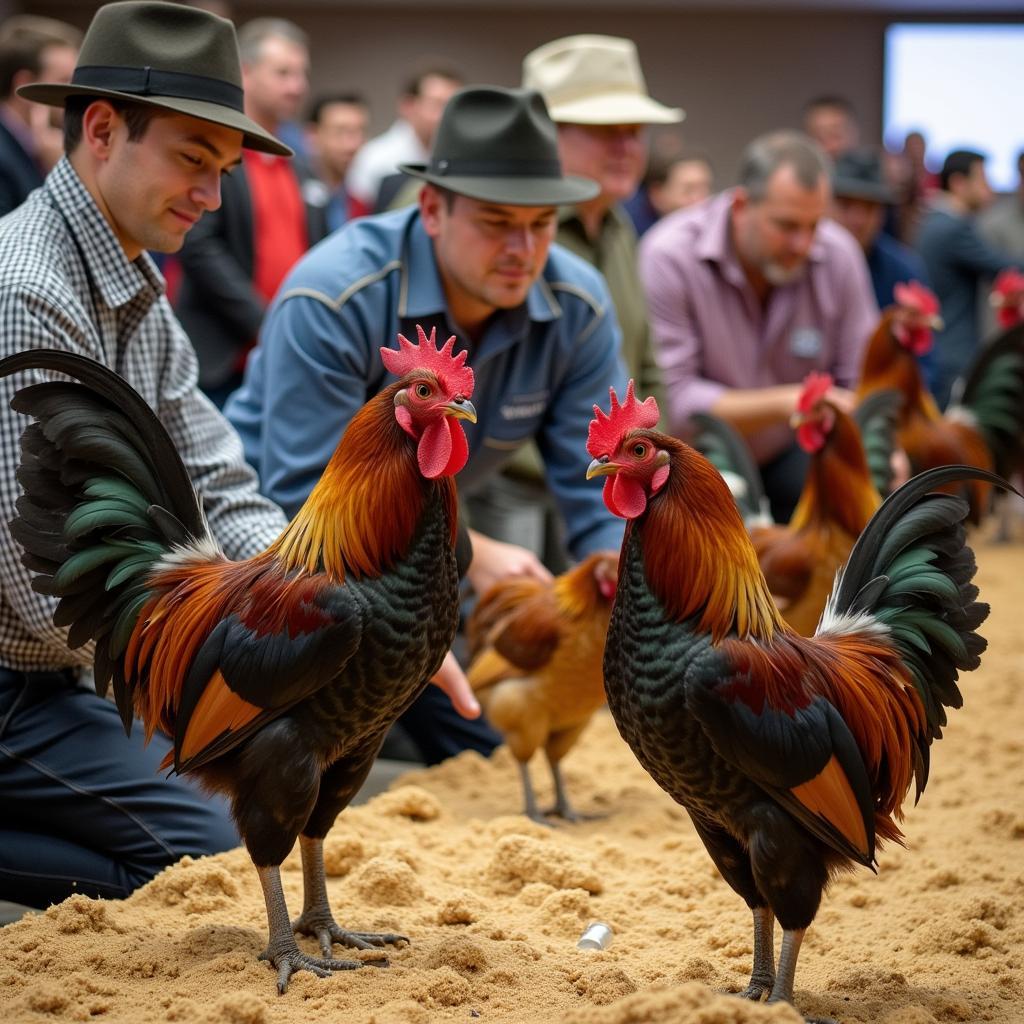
x: 596, y: 94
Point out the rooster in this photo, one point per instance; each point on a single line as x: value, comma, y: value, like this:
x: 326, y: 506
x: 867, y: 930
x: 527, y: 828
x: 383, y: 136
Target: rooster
x: 1007, y: 298
x: 536, y: 651
x: 277, y: 677
x: 983, y: 425
x: 849, y: 464
x: 791, y: 754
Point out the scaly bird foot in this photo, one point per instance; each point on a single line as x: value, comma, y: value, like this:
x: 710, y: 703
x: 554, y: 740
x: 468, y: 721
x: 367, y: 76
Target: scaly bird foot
x: 759, y: 986
x: 571, y: 815
x: 323, y: 927
x: 289, y: 959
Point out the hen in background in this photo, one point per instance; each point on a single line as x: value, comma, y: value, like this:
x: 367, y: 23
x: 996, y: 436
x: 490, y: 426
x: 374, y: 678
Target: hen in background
x: 536, y: 652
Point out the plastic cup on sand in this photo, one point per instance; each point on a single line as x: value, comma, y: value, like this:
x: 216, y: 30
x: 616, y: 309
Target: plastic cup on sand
x: 597, y: 936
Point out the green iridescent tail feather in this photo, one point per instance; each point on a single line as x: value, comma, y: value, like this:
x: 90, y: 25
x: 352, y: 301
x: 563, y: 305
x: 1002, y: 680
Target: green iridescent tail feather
x: 723, y: 446
x: 105, y: 497
x: 877, y: 418
x: 912, y: 571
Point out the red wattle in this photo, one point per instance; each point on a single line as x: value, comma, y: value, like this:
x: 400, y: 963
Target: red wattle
x: 624, y: 496
x: 435, y: 448
x: 460, y: 447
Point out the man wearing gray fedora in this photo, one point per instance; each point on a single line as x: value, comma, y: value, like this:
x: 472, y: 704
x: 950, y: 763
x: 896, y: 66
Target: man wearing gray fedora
x: 153, y: 118
x: 475, y: 259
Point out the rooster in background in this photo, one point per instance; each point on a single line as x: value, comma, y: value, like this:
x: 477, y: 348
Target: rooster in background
x: 982, y: 427
x: 536, y: 651
x: 277, y: 677
x: 850, y: 463
x: 792, y: 755
x: 1007, y: 298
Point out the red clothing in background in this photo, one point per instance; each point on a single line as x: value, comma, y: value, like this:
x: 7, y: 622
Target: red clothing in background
x: 280, y: 236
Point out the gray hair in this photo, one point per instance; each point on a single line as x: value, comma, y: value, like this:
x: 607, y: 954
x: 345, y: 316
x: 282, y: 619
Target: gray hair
x: 767, y: 153
x: 253, y: 34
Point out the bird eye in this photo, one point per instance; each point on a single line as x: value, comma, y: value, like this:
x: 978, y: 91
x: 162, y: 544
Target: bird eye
x: 422, y: 391
x: 639, y: 450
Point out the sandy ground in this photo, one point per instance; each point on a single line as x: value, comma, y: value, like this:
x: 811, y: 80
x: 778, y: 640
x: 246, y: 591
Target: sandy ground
x: 494, y: 904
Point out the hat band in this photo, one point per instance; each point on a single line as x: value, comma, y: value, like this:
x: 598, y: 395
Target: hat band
x: 154, y: 82
x: 496, y: 168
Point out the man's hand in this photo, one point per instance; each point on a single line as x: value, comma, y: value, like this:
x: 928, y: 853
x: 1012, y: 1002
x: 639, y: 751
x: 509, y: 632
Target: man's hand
x: 494, y: 560
x: 453, y: 681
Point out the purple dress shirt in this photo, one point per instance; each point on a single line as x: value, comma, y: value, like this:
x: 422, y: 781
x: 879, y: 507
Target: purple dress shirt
x: 711, y: 331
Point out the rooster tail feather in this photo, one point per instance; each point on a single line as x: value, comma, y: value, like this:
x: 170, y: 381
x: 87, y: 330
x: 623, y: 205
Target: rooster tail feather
x: 993, y: 392
x: 106, y: 498
x: 909, y: 577
x: 723, y: 446
x: 877, y: 418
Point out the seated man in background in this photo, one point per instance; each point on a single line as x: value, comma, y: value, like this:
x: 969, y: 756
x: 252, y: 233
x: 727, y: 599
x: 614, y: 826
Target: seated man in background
x: 335, y: 134
x: 32, y: 49
x: 475, y: 259
x: 860, y: 194
x: 750, y: 291
x: 672, y: 182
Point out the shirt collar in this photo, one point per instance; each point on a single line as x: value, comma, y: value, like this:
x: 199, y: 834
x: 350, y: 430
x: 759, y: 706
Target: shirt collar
x: 117, y: 279
x: 422, y: 295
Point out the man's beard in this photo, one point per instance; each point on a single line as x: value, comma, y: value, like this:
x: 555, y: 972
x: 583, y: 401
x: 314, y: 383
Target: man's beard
x: 777, y: 275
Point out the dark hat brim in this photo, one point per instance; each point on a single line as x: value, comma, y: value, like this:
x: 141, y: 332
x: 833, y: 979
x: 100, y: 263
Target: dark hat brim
x: 513, y: 190
x: 54, y: 94
x: 851, y: 188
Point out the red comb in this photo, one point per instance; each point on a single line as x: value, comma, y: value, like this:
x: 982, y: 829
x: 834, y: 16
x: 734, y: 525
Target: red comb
x: 1009, y: 283
x: 607, y: 431
x: 455, y: 376
x: 816, y: 386
x: 917, y: 297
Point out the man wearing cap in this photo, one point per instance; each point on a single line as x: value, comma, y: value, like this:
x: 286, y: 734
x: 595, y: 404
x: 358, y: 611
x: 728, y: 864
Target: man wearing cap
x: 475, y: 259
x: 147, y: 138
x: 859, y: 197
x: 750, y: 291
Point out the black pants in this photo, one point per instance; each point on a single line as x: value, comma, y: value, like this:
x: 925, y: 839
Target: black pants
x: 83, y: 808
x: 783, y: 478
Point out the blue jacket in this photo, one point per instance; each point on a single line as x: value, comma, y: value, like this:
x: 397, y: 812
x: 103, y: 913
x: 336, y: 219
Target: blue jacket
x: 539, y: 368
x: 957, y: 260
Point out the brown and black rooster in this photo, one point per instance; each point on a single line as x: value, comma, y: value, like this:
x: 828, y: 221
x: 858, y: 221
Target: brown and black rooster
x: 277, y: 677
x: 849, y: 468
x: 984, y: 423
x: 537, y: 650
x: 792, y: 754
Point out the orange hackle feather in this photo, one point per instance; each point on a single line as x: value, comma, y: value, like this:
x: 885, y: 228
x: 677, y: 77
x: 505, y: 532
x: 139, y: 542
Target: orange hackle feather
x: 695, y: 533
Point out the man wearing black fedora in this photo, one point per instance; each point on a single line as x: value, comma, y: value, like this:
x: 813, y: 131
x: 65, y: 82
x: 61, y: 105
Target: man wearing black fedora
x: 475, y: 258
x: 860, y: 195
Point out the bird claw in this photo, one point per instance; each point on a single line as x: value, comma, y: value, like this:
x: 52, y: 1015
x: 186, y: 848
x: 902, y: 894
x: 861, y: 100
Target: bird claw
x: 326, y: 931
x: 756, y: 990
x: 290, y: 961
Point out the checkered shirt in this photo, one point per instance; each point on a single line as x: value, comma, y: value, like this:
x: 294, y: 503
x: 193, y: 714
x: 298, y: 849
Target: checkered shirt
x: 65, y: 283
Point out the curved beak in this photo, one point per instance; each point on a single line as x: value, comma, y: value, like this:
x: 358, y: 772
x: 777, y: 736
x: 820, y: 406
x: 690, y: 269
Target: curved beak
x: 460, y: 409
x: 601, y: 467
x: 936, y: 323
x: 798, y: 419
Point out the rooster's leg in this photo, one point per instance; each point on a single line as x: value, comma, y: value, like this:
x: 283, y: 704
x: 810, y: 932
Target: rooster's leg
x: 762, y: 978
x: 557, y: 746
x: 281, y: 950
x: 530, y: 808
x: 316, y: 918
x: 783, y: 990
